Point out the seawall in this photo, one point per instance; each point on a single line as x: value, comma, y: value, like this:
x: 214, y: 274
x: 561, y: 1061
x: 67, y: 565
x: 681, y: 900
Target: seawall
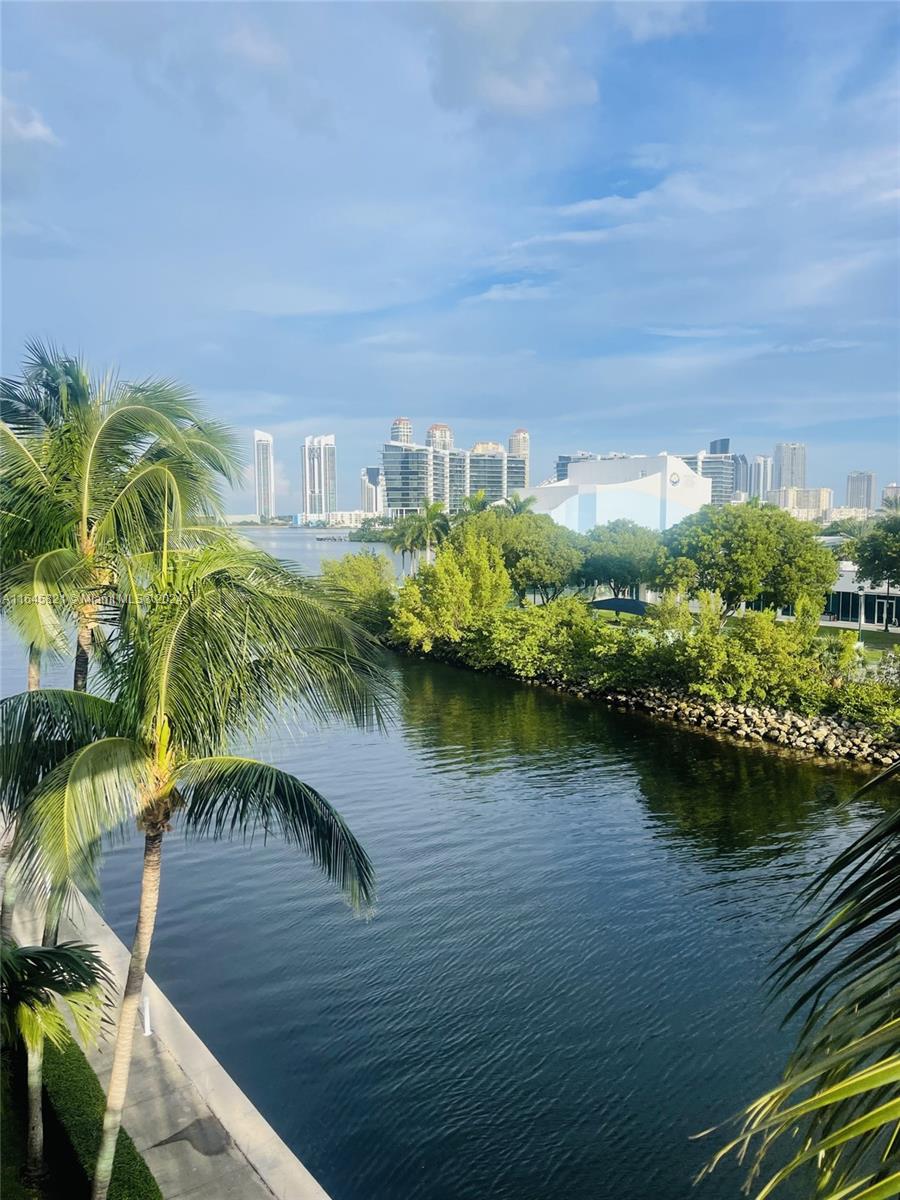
x: 200, y: 1135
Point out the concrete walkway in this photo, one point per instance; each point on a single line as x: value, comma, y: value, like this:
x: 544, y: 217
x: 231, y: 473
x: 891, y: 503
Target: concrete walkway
x: 199, y: 1134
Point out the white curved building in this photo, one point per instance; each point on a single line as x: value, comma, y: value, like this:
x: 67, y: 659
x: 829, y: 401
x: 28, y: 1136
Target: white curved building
x: 655, y: 491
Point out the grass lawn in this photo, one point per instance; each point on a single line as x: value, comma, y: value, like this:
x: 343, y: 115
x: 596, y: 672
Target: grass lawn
x: 876, y: 641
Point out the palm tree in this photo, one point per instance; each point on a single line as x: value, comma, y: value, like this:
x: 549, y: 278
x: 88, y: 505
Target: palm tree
x: 838, y: 1104
x: 402, y: 538
x: 429, y: 528
x: 517, y: 504
x: 90, y: 469
x: 32, y: 981
x: 206, y: 653
x: 470, y: 505
x: 891, y: 504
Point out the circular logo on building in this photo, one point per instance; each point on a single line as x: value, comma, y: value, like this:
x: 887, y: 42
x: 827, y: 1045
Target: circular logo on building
x: 674, y: 479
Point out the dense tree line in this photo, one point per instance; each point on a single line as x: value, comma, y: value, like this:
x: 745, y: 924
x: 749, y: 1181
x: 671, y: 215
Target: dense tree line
x: 473, y: 605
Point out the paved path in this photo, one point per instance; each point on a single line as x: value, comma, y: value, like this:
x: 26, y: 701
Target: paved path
x: 200, y: 1135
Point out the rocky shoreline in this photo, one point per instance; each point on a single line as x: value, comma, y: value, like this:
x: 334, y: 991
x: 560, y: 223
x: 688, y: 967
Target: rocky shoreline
x: 819, y: 736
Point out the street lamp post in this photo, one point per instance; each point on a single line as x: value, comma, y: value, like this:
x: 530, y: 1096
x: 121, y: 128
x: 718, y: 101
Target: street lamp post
x: 861, y: 591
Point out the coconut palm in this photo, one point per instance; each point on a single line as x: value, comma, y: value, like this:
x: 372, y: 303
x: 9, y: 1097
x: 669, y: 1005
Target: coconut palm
x: 33, y: 982
x: 403, y: 538
x: 92, y: 469
x: 208, y: 652
x: 429, y: 528
x: 838, y: 1104
x: 470, y: 505
x: 516, y: 504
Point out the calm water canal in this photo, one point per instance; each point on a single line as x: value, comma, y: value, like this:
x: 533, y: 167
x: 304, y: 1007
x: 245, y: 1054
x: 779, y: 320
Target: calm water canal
x: 564, y: 978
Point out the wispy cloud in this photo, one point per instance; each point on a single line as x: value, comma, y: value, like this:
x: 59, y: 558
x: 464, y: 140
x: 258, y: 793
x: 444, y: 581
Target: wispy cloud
x: 523, y: 289
x: 255, y: 46
x: 646, y: 20
x: 22, y: 123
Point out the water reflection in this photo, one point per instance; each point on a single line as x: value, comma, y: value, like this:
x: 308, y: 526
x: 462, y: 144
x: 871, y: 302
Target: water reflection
x: 723, y: 801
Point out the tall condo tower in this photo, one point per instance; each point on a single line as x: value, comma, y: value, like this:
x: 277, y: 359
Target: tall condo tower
x: 318, y: 476
x: 401, y: 430
x: 264, y: 474
x: 860, y: 489
x: 519, y: 447
x: 789, y: 465
x: 371, y: 488
x: 439, y: 437
x: 761, y: 476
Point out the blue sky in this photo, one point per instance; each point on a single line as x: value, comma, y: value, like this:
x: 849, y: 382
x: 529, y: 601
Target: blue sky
x: 624, y: 226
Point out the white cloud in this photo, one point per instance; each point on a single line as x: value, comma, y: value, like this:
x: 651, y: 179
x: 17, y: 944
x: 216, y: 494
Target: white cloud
x: 255, y: 46
x: 701, y: 334
x: 21, y: 123
x: 646, y: 20
x: 390, y: 339
x: 524, y: 289
x: 682, y: 190
x: 510, y: 60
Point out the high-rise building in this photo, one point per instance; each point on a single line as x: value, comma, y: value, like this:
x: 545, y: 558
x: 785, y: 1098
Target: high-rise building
x: 564, y: 460
x: 519, y: 446
x: 720, y: 446
x: 408, y: 472
x: 264, y: 475
x: 318, y: 476
x: 371, y: 491
x: 487, y: 470
x: 760, y: 476
x: 890, y: 491
x: 807, y: 504
x: 401, y: 430
x: 741, y: 474
x: 719, y: 469
x: 789, y: 465
x: 516, y: 473
x: 450, y: 477
x: 439, y: 437
x: 860, y: 489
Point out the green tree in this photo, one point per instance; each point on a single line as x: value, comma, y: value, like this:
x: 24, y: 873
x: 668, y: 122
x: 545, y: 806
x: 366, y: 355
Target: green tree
x: 539, y: 555
x: 460, y: 593
x: 366, y: 584
x: 734, y: 550
x: 836, y: 1108
x: 621, y: 555
x: 877, y: 555
x: 33, y: 982
x: 92, y: 469
x: 205, y: 655
x: 802, y: 566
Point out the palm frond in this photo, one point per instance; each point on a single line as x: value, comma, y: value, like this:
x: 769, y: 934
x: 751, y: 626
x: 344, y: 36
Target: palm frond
x: 33, y: 977
x: 90, y: 794
x: 230, y: 796
x: 39, y: 730
x: 838, y: 1104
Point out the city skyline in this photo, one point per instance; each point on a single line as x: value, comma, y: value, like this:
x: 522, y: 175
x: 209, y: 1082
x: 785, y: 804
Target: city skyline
x: 541, y: 223
x: 733, y: 471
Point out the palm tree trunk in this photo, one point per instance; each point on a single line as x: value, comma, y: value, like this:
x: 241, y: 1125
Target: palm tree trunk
x: 34, y: 1153
x: 34, y: 668
x: 10, y: 892
x: 11, y: 871
x: 82, y: 656
x: 137, y: 969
